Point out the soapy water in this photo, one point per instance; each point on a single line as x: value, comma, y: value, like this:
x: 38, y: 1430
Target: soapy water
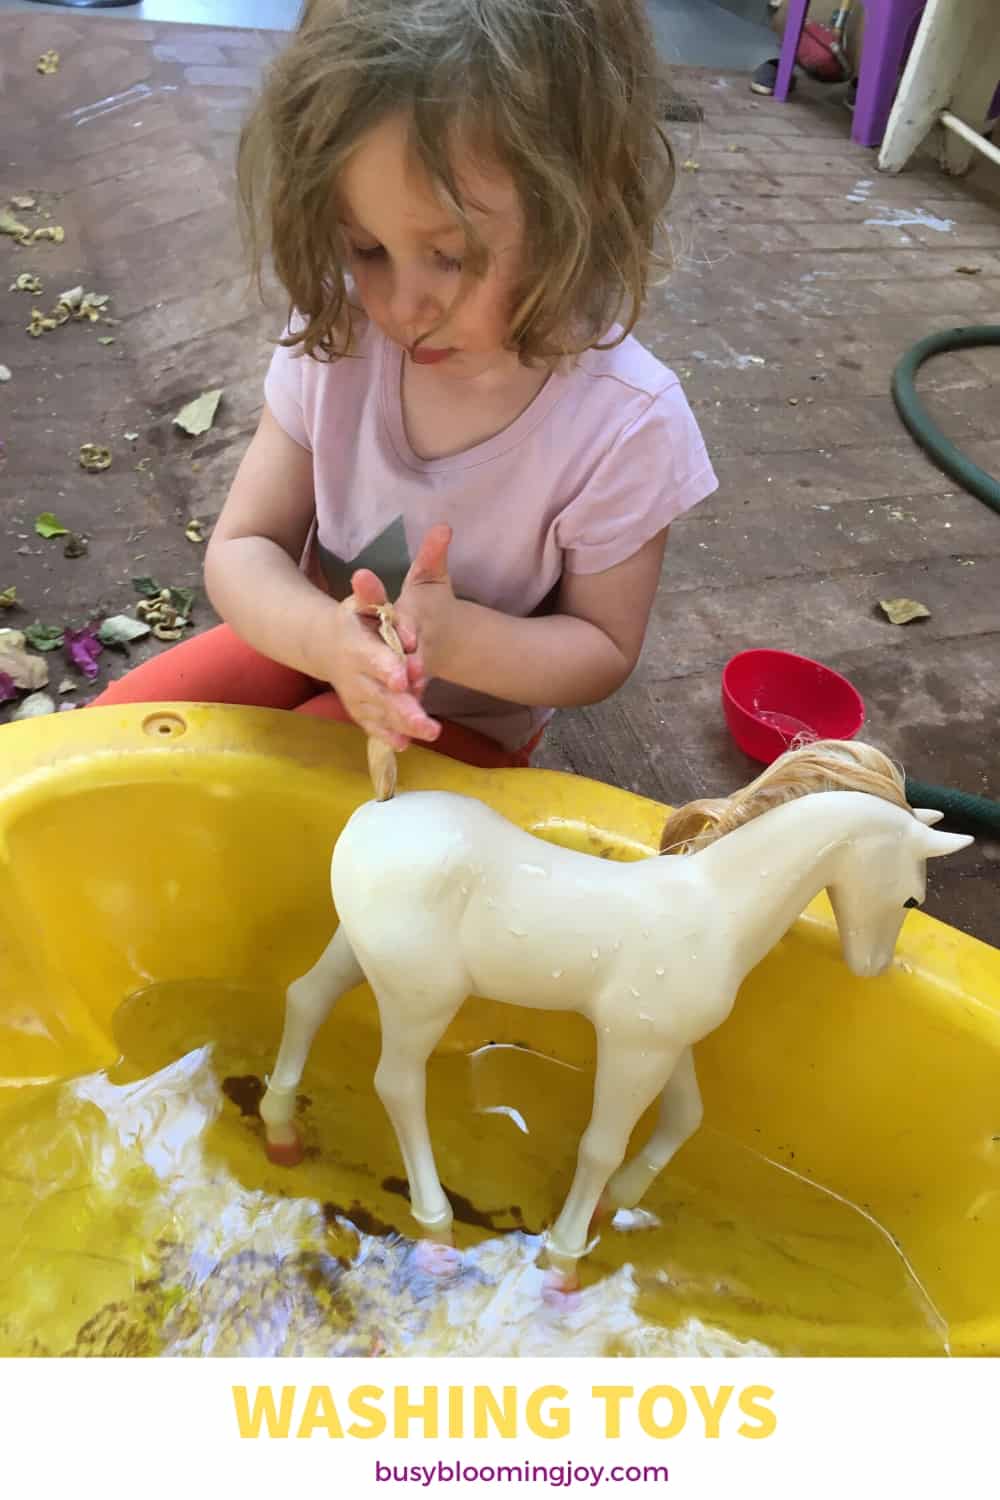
x: 140, y: 1216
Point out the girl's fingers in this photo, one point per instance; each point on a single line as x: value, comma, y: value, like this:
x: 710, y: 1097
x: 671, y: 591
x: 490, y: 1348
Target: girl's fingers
x: 368, y: 588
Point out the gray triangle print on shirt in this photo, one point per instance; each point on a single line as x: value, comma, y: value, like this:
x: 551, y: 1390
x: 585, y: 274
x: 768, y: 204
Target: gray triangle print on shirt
x: 388, y: 557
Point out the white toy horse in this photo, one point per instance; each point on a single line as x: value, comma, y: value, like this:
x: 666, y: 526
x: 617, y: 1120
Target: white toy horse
x: 439, y: 897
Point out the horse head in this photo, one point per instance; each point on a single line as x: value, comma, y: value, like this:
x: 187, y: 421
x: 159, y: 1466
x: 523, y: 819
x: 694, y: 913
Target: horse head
x: 883, y: 874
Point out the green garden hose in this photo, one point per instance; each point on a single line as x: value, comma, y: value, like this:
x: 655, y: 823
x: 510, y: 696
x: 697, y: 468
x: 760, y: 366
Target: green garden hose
x: 941, y: 449
x: 960, y: 806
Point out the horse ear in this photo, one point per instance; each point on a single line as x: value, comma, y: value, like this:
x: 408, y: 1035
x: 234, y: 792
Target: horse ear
x: 936, y: 844
x: 928, y: 816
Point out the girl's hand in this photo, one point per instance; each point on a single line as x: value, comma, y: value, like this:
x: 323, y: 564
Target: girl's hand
x: 425, y: 609
x: 376, y: 688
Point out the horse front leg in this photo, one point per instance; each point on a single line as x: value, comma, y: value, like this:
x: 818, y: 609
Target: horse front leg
x: 308, y: 1002
x: 680, y: 1115
x: 628, y: 1080
x: 408, y: 1039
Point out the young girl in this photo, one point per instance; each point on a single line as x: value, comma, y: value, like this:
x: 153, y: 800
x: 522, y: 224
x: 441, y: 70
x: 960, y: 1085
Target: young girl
x: 461, y: 199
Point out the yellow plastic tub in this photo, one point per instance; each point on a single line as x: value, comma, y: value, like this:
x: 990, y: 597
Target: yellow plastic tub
x: 164, y: 874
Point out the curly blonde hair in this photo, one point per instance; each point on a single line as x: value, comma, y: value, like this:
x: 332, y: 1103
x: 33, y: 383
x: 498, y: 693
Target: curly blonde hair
x: 819, y: 766
x: 561, y: 93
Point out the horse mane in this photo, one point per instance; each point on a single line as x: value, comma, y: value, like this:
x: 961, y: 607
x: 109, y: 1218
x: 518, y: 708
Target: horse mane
x: 819, y: 766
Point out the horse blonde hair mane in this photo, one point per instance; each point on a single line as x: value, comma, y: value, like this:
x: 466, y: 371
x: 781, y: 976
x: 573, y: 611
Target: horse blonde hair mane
x: 821, y: 766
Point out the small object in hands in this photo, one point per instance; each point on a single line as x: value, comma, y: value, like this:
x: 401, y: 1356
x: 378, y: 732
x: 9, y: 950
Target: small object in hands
x: 95, y: 458
x: 902, y: 611
x: 775, y: 699
x: 381, y: 758
x: 655, y: 949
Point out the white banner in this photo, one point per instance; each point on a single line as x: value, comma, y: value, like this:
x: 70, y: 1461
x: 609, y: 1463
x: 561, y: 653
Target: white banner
x: 482, y: 1429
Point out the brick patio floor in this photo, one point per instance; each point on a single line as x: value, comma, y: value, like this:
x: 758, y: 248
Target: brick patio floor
x: 801, y: 276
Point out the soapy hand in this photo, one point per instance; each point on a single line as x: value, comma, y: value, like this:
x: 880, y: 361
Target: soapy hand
x: 425, y: 608
x: 379, y: 691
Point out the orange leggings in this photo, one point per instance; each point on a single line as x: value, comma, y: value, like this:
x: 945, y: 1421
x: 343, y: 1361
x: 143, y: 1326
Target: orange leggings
x: 218, y: 667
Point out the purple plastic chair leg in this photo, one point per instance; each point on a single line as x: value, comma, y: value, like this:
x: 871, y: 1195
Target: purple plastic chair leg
x: 794, y: 22
x: 889, y: 28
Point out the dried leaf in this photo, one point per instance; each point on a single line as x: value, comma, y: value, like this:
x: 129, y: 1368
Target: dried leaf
x: 44, y: 637
x: 8, y: 598
x: 26, y: 671
x: 48, y: 63
x: 12, y: 226
x: 120, y: 630
x: 46, y: 525
x: 194, y: 531
x: 26, y: 282
x: 82, y: 650
x: 34, y: 706
x: 198, y: 416
x: 22, y: 202
x: 105, y: 341
x: 95, y: 458
x: 54, y: 232
x: 76, y: 546
x: 902, y: 611
x: 968, y: 270
x: 4, y: 374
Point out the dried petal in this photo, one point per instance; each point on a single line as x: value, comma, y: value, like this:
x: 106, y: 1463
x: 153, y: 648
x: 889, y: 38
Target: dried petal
x: 82, y: 649
x: 194, y: 531
x: 26, y: 282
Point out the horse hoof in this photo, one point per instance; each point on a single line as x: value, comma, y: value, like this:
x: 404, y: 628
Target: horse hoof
x: 561, y: 1289
x: 285, y: 1153
x: 435, y: 1259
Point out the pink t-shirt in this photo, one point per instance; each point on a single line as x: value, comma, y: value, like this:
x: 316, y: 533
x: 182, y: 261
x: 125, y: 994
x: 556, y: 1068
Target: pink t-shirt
x: 607, y: 455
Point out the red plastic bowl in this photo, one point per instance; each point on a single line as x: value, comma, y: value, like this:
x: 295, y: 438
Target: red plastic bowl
x: 773, y: 698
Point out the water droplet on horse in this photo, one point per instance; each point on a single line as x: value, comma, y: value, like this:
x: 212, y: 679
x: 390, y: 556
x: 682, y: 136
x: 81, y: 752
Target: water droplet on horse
x: 557, y: 973
x: 595, y: 952
x: 490, y: 904
x: 643, y: 1016
x: 517, y: 932
x: 633, y: 992
x: 616, y: 944
x: 660, y: 973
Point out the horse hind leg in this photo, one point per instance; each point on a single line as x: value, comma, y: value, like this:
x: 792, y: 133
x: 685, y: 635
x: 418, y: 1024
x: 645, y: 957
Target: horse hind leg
x: 679, y: 1117
x: 408, y: 1039
x: 308, y: 1002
